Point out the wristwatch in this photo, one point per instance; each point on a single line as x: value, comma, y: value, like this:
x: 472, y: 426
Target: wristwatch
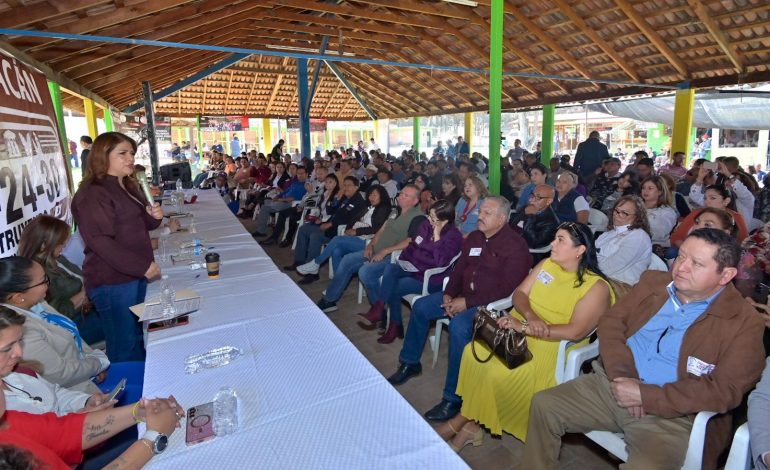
x: 158, y: 441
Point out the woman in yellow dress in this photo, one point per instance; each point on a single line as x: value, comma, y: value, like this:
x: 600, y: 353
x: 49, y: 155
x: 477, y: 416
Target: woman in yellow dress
x: 562, y: 298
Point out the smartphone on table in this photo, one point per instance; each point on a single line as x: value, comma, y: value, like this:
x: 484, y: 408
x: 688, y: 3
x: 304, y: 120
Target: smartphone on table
x: 200, y: 423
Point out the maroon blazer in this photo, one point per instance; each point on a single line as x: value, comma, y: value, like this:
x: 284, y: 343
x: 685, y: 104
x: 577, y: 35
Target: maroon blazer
x: 115, y: 230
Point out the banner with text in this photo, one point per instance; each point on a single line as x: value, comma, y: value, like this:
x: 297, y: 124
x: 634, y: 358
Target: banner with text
x: 33, y: 170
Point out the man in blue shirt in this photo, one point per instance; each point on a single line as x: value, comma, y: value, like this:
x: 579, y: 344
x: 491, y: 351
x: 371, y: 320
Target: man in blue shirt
x: 293, y: 193
x: 677, y: 344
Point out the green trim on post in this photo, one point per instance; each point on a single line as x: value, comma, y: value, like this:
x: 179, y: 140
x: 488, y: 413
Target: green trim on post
x: 55, y: 91
x: 495, y: 92
x: 108, y: 120
x: 416, y: 136
x: 549, y: 116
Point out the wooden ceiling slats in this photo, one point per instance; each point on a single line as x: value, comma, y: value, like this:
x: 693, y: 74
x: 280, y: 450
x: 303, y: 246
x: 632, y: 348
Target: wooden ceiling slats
x: 648, y: 41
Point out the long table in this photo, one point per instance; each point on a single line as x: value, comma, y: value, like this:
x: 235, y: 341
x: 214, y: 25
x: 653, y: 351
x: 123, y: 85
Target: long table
x: 308, y: 398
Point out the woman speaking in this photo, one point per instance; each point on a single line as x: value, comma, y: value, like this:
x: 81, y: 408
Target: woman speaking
x: 114, y: 219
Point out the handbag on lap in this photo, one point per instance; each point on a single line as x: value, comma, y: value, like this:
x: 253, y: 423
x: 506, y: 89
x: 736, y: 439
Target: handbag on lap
x: 509, y: 345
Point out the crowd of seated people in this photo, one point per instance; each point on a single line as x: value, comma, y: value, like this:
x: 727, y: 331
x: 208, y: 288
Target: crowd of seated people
x: 566, y: 276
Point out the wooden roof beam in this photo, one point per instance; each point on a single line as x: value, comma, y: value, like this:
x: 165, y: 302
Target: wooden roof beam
x: 331, y: 98
x: 321, y: 31
x: 25, y: 15
x: 395, y: 95
x: 565, y: 8
x: 463, y: 97
x: 158, y: 28
x: 435, y: 9
x: 356, y: 13
x: 133, y: 58
x: 703, y: 14
x: 276, y: 87
x: 344, y: 107
x: 653, y: 37
x: 229, y: 89
x: 538, y: 32
x: 338, y: 23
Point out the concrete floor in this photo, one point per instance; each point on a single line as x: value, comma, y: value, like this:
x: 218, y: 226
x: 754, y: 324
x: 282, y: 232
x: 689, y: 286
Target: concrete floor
x: 423, y: 392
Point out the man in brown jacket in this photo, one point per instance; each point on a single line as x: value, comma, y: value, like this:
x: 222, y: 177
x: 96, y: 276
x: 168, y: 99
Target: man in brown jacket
x: 668, y: 350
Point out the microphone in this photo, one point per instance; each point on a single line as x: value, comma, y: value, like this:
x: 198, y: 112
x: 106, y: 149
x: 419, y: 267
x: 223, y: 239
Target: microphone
x: 142, y: 180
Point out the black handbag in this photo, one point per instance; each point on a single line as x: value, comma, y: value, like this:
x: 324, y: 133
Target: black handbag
x: 509, y: 345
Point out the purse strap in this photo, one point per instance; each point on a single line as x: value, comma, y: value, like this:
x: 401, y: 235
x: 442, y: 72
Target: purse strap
x: 473, y: 344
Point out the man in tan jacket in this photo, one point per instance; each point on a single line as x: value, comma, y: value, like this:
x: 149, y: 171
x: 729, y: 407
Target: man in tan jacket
x: 668, y: 350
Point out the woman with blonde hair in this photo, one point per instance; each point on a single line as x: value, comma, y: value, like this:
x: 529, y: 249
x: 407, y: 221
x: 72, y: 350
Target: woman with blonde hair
x: 43, y: 240
x: 660, y: 214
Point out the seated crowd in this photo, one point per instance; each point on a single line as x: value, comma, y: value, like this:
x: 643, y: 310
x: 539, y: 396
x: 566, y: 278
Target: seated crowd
x: 650, y: 260
x: 579, y: 255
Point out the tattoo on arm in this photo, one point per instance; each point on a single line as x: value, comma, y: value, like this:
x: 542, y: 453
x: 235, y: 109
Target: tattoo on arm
x: 94, y: 431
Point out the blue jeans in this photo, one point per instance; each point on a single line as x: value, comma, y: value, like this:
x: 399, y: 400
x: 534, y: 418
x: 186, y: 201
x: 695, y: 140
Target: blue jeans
x: 90, y: 326
x: 122, y: 330
x: 426, y: 310
x: 395, y: 284
x: 269, y: 208
x: 338, y: 247
x: 310, y: 237
x: 369, y: 274
x: 350, y: 264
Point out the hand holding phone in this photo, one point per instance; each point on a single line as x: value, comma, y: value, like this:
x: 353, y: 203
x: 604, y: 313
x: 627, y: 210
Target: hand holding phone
x: 117, y: 390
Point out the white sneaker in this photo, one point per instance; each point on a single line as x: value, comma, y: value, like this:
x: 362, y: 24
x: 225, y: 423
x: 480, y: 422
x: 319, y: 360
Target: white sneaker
x: 308, y: 268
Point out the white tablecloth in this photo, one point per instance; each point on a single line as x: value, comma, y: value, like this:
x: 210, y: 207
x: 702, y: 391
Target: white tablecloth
x: 308, y: 398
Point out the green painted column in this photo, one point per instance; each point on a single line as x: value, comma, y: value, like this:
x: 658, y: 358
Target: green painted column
x: 416, y: 136
x: 55, y: 92
x: 108, y: 124
x: 495, y: 92
x: 549, y: 115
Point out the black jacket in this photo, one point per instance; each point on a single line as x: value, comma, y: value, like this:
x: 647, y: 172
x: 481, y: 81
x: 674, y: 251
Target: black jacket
x: 346, y: 213
x: 380, y: 215
x: 539, y: 229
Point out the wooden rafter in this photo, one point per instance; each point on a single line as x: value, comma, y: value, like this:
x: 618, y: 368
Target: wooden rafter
x: 652, y: 36
x: 157, y: 27
x: 439, y: 9
x: 274, y: 93
x: 337, y: 23
x: 229, y: 89
x: 24, y: 15
x: 203, y: 105
x: 362, y: 13
x: 345, y: 107
x: 331, y: 98
x: 716, y: 32
x: 578, y: 21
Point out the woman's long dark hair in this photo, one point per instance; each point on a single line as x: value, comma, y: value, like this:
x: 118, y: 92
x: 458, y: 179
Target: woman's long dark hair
x: 725, y: 193
x: 634, y: 188
x: 384, y: 198
x: 582, y: 235
x: 40, y: 239
x: 336, y: 185
x: 14, y: 276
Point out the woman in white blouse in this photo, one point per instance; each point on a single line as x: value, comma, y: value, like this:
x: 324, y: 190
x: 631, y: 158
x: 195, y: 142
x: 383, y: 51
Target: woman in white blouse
x: 24, y: 390
x: 625, y: 249
x: 661, y: 216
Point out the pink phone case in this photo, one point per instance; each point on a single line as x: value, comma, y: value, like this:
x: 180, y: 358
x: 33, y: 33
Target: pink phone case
x: 200, y: 423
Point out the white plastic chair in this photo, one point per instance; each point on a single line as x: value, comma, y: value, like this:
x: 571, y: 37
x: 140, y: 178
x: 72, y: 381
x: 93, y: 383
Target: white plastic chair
x: 657, y: 264
x: 740, y: 457
x: 614, y: 442
x: 597, y: 220
x: 429, y: 273
x: 542, y: 249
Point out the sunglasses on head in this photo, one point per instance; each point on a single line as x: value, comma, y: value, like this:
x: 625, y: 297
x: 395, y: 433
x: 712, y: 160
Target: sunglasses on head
x: 574, y: 229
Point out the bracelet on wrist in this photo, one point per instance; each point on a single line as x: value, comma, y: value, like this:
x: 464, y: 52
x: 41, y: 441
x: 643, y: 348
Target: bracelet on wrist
x: 133, y: 413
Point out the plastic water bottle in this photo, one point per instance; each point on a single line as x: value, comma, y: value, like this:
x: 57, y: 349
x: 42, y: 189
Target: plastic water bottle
x: 196, y: 250
x: 167, y: 298
x: 211, y: 359
x: 179, y: 187
x: 225, y: 412
x: 163, y: 248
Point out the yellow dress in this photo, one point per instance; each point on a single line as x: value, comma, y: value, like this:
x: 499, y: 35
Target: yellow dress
x: 500, y: 398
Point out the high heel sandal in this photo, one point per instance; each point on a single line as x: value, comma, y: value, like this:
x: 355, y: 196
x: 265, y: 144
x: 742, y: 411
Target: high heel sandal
x: 452, y: 429
x: 476, y: 438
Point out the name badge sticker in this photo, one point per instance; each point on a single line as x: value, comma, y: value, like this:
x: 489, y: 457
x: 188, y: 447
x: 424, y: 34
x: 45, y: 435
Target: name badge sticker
x: 475, y: 252
x: 697, y: 367
x: 418, y: 240
x: 544, y: 277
